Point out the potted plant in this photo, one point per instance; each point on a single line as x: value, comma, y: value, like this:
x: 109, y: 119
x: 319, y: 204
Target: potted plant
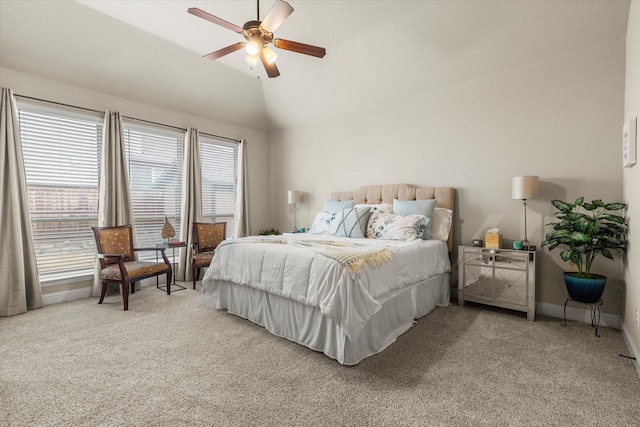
x: 586, y: 230
x: 269, y: 232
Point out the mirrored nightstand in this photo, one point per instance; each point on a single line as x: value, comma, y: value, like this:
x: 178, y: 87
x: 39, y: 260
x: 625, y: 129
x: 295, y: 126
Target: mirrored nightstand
x: 500, y: 277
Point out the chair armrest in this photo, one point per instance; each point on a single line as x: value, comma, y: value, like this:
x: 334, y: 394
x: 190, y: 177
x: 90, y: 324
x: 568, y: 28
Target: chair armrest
x: 103, y: 256
x: 162, y: 251
x: 150, y: 249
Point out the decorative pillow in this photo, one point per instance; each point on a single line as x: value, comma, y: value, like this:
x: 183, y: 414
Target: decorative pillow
x: 422, y: 228
x: 324, y: 223
x: 352, y: 222
x: 335, y: 206
x: 397, y: 227
x: 415, y: 207
x: 381, y: 208
x: 441, y: 224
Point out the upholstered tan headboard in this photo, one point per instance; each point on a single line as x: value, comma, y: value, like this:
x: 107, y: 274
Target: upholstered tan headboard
x: 374, y: 194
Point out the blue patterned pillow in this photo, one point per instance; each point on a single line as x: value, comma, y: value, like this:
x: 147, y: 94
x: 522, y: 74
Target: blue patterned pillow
x: 352, y: 222
x: 324, y: 223
x: 397, y: 227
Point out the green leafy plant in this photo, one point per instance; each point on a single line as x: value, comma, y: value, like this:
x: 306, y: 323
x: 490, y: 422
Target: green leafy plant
x: 269, y: 232
x: 587, y: 230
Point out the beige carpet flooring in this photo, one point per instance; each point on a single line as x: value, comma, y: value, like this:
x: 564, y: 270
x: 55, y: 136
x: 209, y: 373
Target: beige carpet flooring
x: 170, y: 361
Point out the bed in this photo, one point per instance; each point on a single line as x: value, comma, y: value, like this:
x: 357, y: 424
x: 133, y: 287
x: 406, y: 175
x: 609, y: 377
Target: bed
x: 348, y: 297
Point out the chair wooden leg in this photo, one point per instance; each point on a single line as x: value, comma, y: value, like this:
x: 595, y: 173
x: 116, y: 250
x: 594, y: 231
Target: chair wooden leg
x: 133, y: 287
x: 103, y: 293
x: 193, y: 275
x: 169, y: 282
x: 125, y: 295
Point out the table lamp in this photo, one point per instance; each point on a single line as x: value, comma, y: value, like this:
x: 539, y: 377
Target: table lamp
x: 523, y: 188
x: 294, y: 196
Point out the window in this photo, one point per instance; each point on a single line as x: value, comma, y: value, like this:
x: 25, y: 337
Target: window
x: 154, y: 157
x: 219, y: 160
x: 61, y: 150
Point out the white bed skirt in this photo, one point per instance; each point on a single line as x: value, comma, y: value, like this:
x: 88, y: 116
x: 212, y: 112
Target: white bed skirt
x: 305, y: 324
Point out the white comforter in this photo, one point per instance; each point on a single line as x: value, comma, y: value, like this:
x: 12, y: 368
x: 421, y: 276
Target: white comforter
x: 304, y: 275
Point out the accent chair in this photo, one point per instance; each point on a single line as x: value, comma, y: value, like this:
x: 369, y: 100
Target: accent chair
x: 119, y: 264
x: 206, y: 238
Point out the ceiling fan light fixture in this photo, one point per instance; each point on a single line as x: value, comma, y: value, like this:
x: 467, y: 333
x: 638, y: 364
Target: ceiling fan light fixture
x: 269, y: 55
x: 253, y: 47
x: 252, y: 60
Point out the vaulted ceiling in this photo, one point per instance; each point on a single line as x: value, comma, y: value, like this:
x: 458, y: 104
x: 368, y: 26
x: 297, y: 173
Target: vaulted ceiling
x: 378, y: 52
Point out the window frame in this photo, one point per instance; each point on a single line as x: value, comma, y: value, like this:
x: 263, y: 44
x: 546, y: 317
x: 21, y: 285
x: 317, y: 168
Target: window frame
x: 137, y: 135
x: 46, y: 127
x: 210, y: 159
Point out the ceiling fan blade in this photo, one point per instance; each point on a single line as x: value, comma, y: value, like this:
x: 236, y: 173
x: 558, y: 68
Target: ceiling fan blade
x: 306, y: 49
x: 209, y: 17
x: 271, y: 69
x: 276, y: 15
x: 224, y: 51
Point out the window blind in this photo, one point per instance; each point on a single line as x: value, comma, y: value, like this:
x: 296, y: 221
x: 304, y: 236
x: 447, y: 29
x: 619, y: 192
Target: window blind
x: 61, y: 150
x: 219, y: 159
x: 154, y: 157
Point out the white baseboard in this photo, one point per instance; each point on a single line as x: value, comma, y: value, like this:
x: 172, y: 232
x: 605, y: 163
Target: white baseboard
x: 633, y: 350
x: 63, y: 296
x: 578, y: 314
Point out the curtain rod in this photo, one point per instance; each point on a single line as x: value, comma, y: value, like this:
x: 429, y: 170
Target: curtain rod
x: 237, y: 141
x: 124, y: 117
x: 59, y: 103
x: 154, y: 123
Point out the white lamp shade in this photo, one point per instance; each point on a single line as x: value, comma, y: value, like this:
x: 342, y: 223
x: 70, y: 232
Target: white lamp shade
x: 294, y: 196
x: 525, y: 187
x: 269, y: 55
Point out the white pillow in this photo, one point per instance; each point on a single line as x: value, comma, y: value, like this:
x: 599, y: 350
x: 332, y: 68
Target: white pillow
x: 396, y: 227
x: 324, y: 223
x: 441, y: 224
x: 381, y: 208
x: 415, y: 207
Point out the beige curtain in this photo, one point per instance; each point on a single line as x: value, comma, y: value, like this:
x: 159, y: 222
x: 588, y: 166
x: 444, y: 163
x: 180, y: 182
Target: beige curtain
x: 241, y: 228
x: 191, y: 200
x: 20, y: 285
x: 114, y: 203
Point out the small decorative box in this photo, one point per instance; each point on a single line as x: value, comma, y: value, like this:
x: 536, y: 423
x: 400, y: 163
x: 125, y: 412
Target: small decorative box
x: 493, y: 241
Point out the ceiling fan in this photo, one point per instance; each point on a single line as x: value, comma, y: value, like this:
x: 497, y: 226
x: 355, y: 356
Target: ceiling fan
x: 258, y: 35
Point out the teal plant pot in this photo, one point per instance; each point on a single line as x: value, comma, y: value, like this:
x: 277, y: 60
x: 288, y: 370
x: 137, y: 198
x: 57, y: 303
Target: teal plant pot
x: 587, y: 290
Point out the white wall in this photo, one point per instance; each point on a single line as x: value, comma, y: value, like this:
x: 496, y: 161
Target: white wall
x: 257, y: 141
x: 631, y: 186
x: 559, y: 118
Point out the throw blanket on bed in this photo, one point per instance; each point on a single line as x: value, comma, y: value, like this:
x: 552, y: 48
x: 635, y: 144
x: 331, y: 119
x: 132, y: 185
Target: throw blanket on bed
x: 352, y: 255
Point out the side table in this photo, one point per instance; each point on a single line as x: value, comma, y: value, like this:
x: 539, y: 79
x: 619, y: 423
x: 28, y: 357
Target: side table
x: 173, y: 247
x: 500, y: 277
